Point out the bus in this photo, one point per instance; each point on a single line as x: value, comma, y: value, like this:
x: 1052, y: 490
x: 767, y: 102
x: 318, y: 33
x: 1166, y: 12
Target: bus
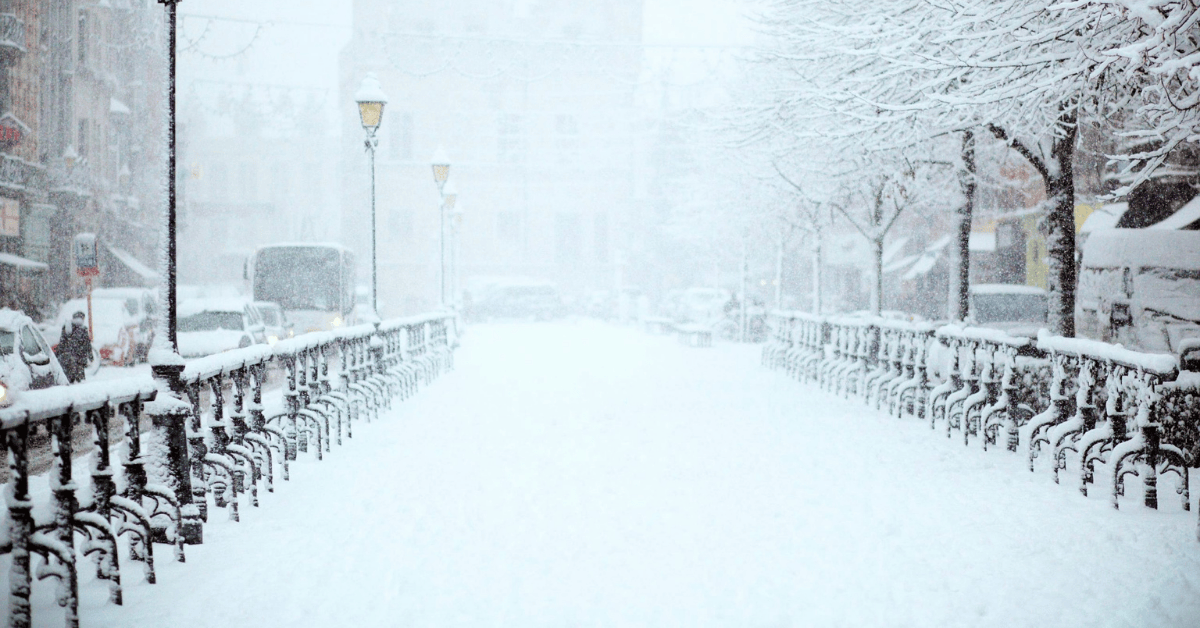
x: 313, y: 283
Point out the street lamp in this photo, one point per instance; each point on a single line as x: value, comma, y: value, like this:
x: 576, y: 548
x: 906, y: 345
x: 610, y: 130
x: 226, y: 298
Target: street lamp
x: 371, y: 99
x: 441, y: 172
x: 456, y: 219
x: 449, y: 198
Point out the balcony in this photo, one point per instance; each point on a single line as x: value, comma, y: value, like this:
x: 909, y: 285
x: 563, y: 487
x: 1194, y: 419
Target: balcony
x: 12, y: 38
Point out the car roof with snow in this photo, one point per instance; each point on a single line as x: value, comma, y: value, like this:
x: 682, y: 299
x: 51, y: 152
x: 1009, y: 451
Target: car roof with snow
x: 1006, y: 288
x: 12, y: 319
x: 1142, y: 248
x: 196, y: 306
x: 119, y: 293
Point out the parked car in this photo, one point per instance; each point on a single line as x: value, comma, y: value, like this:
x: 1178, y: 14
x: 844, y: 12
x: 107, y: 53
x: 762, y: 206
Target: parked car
x: 208, y: 326
x: 1140, y: 288
x: 1017, y: 310
x: 142, y: 306
x: 275, y: 323
x: 26, y: 360
x: 520, y: 299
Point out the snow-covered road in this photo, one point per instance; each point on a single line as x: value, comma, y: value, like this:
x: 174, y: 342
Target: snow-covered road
x: 577, y: 474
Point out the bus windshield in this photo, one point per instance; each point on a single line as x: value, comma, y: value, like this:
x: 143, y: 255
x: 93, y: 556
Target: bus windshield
x: 299, y: 278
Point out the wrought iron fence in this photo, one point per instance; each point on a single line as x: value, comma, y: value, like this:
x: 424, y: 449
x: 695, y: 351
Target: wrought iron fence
x: 219, y: 447
x: 1108, y: 412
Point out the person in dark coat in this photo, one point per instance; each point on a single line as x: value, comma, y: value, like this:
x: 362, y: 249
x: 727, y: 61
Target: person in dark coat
x: 75, y: 348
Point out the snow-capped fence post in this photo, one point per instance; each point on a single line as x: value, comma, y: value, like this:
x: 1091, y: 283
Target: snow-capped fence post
x: 54, y: 412
x: 174, y: 430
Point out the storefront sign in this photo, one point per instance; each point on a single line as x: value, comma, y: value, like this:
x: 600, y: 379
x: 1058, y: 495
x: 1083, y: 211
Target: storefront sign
x: 85, y: 255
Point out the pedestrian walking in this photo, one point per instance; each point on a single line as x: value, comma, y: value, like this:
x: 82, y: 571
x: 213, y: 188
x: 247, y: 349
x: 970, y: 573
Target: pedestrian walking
x: 75, y: 348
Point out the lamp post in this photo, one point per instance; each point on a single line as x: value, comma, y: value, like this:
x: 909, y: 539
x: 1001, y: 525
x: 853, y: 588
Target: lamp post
x: 456, y: 219
x: 171, y: 414
x: 449, y: 198
x: 371, y: 99
x: 441, y: 172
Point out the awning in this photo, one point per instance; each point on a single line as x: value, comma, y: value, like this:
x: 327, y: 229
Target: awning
x: 8, y: 259
x: 118, y: 107
x: 1186, y: 217
x: 928, y: 259
x: 1104, y: 218
x: 133, y: 264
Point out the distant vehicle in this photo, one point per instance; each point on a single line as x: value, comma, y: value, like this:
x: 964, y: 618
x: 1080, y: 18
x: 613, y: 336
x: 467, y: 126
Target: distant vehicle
x: 275, y: 323
x: 209, y: 326
x: 313, y: 283
x: 702, y: 306
x: 520, y: 298
x: 1140, y: 288
x: 26, y: 360
x: 1017, y: 310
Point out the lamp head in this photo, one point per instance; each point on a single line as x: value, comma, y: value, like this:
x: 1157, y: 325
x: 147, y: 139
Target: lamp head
x: 370, y: 99
x: 441, y: 167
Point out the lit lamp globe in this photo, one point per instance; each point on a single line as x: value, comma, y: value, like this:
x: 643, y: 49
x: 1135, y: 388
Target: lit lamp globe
x: 449, y: 196
x: 441, y: 167
x: 370, y: 99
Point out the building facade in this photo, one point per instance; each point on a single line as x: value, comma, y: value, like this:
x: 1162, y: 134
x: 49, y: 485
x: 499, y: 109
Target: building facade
x: 80, y: 95
x: 533, y: 102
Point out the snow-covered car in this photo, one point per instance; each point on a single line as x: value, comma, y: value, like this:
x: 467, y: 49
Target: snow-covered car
x: 142, y: 306
x: 1016, y: 310
x: 275, y: 323
x: 115, y: 327
x: 702, y: 306
x: 520, y: 299
x: 1140, y: 288
x: 208, y: 326
x: 26, y: 361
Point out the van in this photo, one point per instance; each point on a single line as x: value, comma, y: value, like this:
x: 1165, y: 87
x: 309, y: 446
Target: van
x: 1140, y: 288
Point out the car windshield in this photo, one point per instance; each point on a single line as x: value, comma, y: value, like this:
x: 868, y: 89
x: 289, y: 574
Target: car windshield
x: 210, y: 321
x: 7, y: 341
x: 270, y: 317
x: 1001, y: 308
x: 298, y: 278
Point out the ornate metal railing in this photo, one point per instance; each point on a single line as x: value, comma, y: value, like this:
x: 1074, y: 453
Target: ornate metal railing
x: 1082, y: 404
x: 235, y: 434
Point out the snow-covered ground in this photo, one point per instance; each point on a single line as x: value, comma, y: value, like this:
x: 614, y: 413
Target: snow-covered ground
x: 578, y: 474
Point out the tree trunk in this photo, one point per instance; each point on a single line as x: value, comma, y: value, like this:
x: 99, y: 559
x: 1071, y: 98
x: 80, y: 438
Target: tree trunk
x: 779, y: 272
x: 960, y: 279
x: 877, y: 278
x: 1060, y: 239
x: 816, y: 273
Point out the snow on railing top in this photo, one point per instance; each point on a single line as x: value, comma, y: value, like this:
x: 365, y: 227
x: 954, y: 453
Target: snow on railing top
x: 397, y: 323
x: 798, y: 315
x: 38, y: 405
x: 1157, y: 363
x: 226, y: 362
x: 982, y: 334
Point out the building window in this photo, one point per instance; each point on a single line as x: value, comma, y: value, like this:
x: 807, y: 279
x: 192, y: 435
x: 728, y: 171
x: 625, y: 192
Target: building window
x: 81, y: 42
x: 10, y: 217
x: 567, y: 237
x: 600, y: 237
x: 508, y: 227
x: 510, y: 146
x: 82, y: 144
x: 566, y: 138
x: 402, y: 138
